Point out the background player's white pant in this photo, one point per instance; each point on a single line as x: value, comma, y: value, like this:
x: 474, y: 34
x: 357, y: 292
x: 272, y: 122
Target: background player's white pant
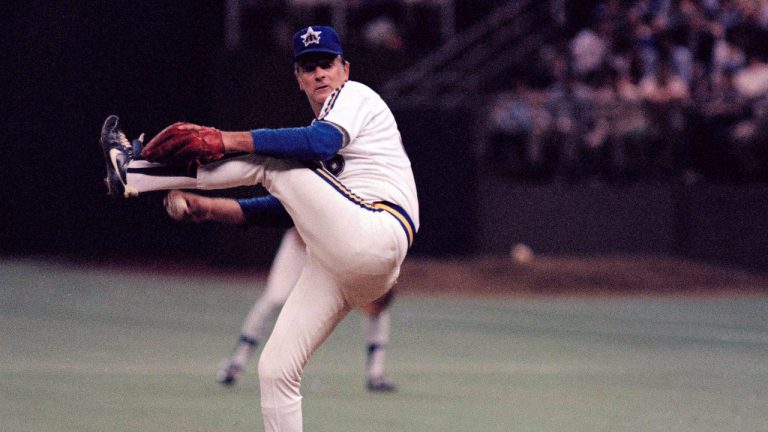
x: 376, y: 333
x: 283, y: 274
x: 353, y: 257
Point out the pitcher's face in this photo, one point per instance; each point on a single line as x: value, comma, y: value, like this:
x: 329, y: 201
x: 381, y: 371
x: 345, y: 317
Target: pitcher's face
x: 319, y: 75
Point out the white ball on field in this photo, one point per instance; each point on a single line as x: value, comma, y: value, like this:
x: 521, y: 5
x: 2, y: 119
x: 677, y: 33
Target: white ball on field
x: 176, y: 207
x: 521, y: 253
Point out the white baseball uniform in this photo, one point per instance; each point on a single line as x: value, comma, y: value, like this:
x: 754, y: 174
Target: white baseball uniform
x: 357, y: 225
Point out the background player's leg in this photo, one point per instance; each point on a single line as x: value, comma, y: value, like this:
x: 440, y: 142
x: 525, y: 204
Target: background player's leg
x: 376, y: 333
x: 313, y: 309
x: 283, y: 274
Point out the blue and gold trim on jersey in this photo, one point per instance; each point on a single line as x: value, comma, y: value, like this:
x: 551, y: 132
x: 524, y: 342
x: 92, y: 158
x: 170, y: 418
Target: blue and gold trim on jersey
x: 330, y: 102
x: 401, y: 215
x: 395, y: 210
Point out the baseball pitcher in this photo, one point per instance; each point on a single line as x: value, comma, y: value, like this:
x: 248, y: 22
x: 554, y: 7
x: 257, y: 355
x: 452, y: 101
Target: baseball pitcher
x: 345, y: 180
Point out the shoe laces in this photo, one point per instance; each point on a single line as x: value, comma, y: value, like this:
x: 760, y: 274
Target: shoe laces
x: 125, y: 143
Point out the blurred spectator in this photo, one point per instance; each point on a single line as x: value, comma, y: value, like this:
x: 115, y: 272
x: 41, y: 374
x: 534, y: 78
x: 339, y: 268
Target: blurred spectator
x: 382, y: 32
x: 511, y: 125
x: 726, y: 57
x: 377, y: 22
x: 588, y: 50
x: 651, y: 89
x: 664, y: 94
x: 627, y: 86
x: 762, y: 14
x: 664, y: 86
x: 713, y: 124
x: 752, y: 81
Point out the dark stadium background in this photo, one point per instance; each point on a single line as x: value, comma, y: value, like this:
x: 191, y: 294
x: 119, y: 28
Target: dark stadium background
x: 67, y: 65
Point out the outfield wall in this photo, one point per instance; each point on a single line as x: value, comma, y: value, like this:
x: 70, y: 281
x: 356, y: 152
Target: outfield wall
x: 466, y: 210
x: 718, y: 223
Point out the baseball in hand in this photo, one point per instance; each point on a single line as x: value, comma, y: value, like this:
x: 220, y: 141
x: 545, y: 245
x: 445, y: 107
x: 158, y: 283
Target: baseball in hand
x: 176, y: 206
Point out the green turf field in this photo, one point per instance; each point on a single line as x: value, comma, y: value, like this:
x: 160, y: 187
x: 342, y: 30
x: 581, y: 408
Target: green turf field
x: 96, y: 350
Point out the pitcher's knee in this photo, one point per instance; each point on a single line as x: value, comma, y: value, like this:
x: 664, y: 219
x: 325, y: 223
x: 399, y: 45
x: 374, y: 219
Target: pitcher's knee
x: 274, y: 370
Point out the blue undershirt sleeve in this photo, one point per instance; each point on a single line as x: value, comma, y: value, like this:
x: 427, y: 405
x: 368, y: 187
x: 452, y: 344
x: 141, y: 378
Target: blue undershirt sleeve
x: 319, y: 141
x: 265, y: 211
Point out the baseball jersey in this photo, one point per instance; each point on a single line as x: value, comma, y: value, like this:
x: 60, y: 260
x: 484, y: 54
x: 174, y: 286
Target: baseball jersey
x: 372, y: 161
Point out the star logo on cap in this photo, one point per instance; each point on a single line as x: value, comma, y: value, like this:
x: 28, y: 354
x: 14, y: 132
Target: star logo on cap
x: 310, y: 37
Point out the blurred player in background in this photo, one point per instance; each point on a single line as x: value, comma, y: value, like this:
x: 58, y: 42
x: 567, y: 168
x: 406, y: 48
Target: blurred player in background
x: 283, y: 275
x: 345, y: 181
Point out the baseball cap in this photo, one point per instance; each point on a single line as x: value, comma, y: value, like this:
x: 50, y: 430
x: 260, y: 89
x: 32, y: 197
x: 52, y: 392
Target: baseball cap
x: 316, y: 39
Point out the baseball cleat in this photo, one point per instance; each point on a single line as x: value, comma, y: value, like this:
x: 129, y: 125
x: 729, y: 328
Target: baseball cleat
x: 138, y: 146
x: 118, y: 152
x: 381, y: 384
x: 228, y: 373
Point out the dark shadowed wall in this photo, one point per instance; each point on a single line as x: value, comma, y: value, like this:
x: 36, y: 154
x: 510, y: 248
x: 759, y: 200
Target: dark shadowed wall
x: 70, y: 64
